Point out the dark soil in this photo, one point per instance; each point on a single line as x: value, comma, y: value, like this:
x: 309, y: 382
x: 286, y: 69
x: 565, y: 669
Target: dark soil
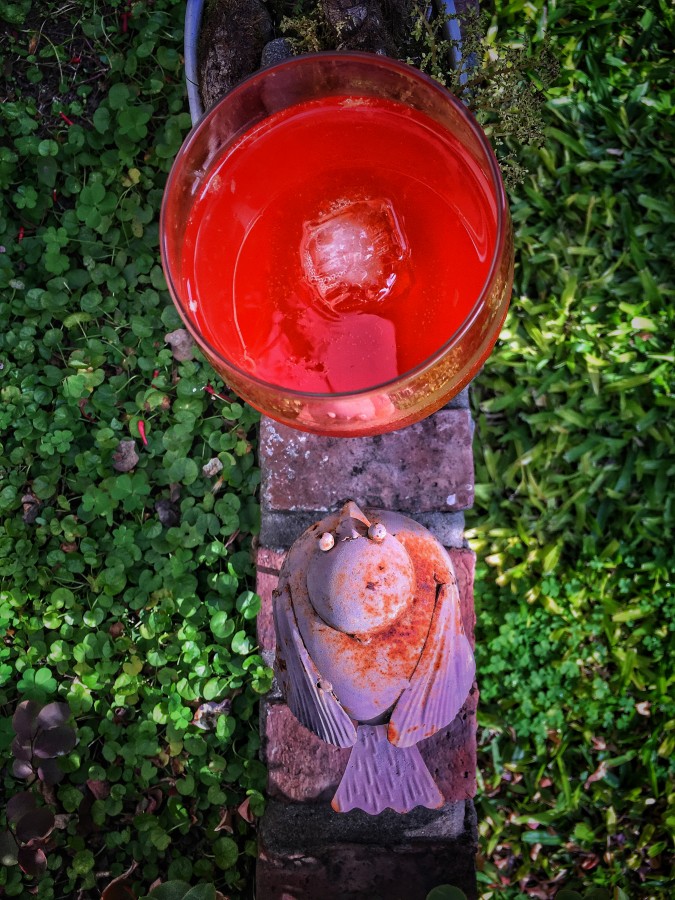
x: 54, y: 62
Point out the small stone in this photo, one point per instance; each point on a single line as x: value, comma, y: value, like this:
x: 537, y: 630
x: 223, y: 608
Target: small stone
x: 31, y: 508
x: 125, y: 457
x: 167, y: 513
x: 276, y: 51
x: 212, y: 467
x: 182, y: 345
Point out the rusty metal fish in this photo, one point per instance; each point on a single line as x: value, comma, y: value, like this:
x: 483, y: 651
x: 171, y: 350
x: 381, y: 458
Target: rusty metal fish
x: 371, y: 650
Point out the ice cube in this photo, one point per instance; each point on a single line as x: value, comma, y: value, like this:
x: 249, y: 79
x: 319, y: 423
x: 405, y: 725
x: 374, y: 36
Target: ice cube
x: 353, y: 254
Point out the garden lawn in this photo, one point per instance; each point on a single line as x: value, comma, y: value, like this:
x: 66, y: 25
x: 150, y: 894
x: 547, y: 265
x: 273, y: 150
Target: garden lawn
x: 126, y: 571
x: 575, y: 468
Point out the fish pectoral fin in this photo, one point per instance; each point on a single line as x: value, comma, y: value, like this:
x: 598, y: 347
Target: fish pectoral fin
x: 309, y: 696
x: 442, y: 678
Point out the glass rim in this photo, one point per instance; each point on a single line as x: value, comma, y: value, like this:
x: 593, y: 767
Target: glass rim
x: 375, y: 61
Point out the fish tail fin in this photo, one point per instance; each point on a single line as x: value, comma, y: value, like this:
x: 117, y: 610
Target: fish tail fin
x: 380, y: 775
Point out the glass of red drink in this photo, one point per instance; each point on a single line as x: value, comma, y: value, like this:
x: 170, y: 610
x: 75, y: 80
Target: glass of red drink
x: 336, y: 237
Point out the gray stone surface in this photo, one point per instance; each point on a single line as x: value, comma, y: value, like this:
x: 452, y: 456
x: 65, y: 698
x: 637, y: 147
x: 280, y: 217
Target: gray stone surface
x: 426, y: 467
x: 448, y: 528
x: 275, y: 51
x: 303, y: 827
x: 279, y: 529
x: 461, y: 401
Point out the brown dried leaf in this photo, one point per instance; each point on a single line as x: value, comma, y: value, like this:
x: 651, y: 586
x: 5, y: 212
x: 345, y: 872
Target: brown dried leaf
x: 244, y: 810
x: 599, y: 773
x: 100, y: 789
x: 206, y: 715
x: 226, y: 820
x: 117, y: 889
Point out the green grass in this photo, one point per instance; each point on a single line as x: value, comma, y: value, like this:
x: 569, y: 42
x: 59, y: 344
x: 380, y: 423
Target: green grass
x: 574, y: 452
x: 127, y: 594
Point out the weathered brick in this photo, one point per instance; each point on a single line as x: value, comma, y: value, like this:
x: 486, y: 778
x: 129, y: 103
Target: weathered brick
x: 268, y: 563
x: 450, y: 754
x: 304, y: 769
x: 300, y: 766
x: 427, y: 467
x: 464, y: 562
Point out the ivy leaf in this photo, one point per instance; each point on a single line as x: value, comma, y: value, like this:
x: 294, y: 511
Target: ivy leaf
x: 50, y: 772
x: 170, y: 890
x: 54, y: 742
x: 446, y: 892
x: 53, y: 714
x: 36, y: 823
x: 201, y: 892
x: 226, y: 852
x: 19, y: 805
x: 24, y: 720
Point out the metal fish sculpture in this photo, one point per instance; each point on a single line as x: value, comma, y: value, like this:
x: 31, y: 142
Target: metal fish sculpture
x: 371, y: 650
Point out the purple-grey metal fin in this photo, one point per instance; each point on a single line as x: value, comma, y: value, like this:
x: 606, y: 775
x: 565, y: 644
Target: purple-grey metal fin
x: 379, y: 775
x: 310, y: 700
x: 442, y: 678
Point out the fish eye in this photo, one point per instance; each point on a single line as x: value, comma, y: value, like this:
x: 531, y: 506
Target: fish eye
x: 326, y: 541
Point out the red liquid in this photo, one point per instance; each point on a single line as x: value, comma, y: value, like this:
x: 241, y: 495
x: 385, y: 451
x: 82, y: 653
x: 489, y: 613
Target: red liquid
x: 338, y: 244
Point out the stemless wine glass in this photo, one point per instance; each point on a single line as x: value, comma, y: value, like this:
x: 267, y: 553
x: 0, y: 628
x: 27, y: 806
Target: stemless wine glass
x: 425, y: 387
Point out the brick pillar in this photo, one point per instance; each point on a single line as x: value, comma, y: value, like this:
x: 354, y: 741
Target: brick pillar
x: 306, y: 850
